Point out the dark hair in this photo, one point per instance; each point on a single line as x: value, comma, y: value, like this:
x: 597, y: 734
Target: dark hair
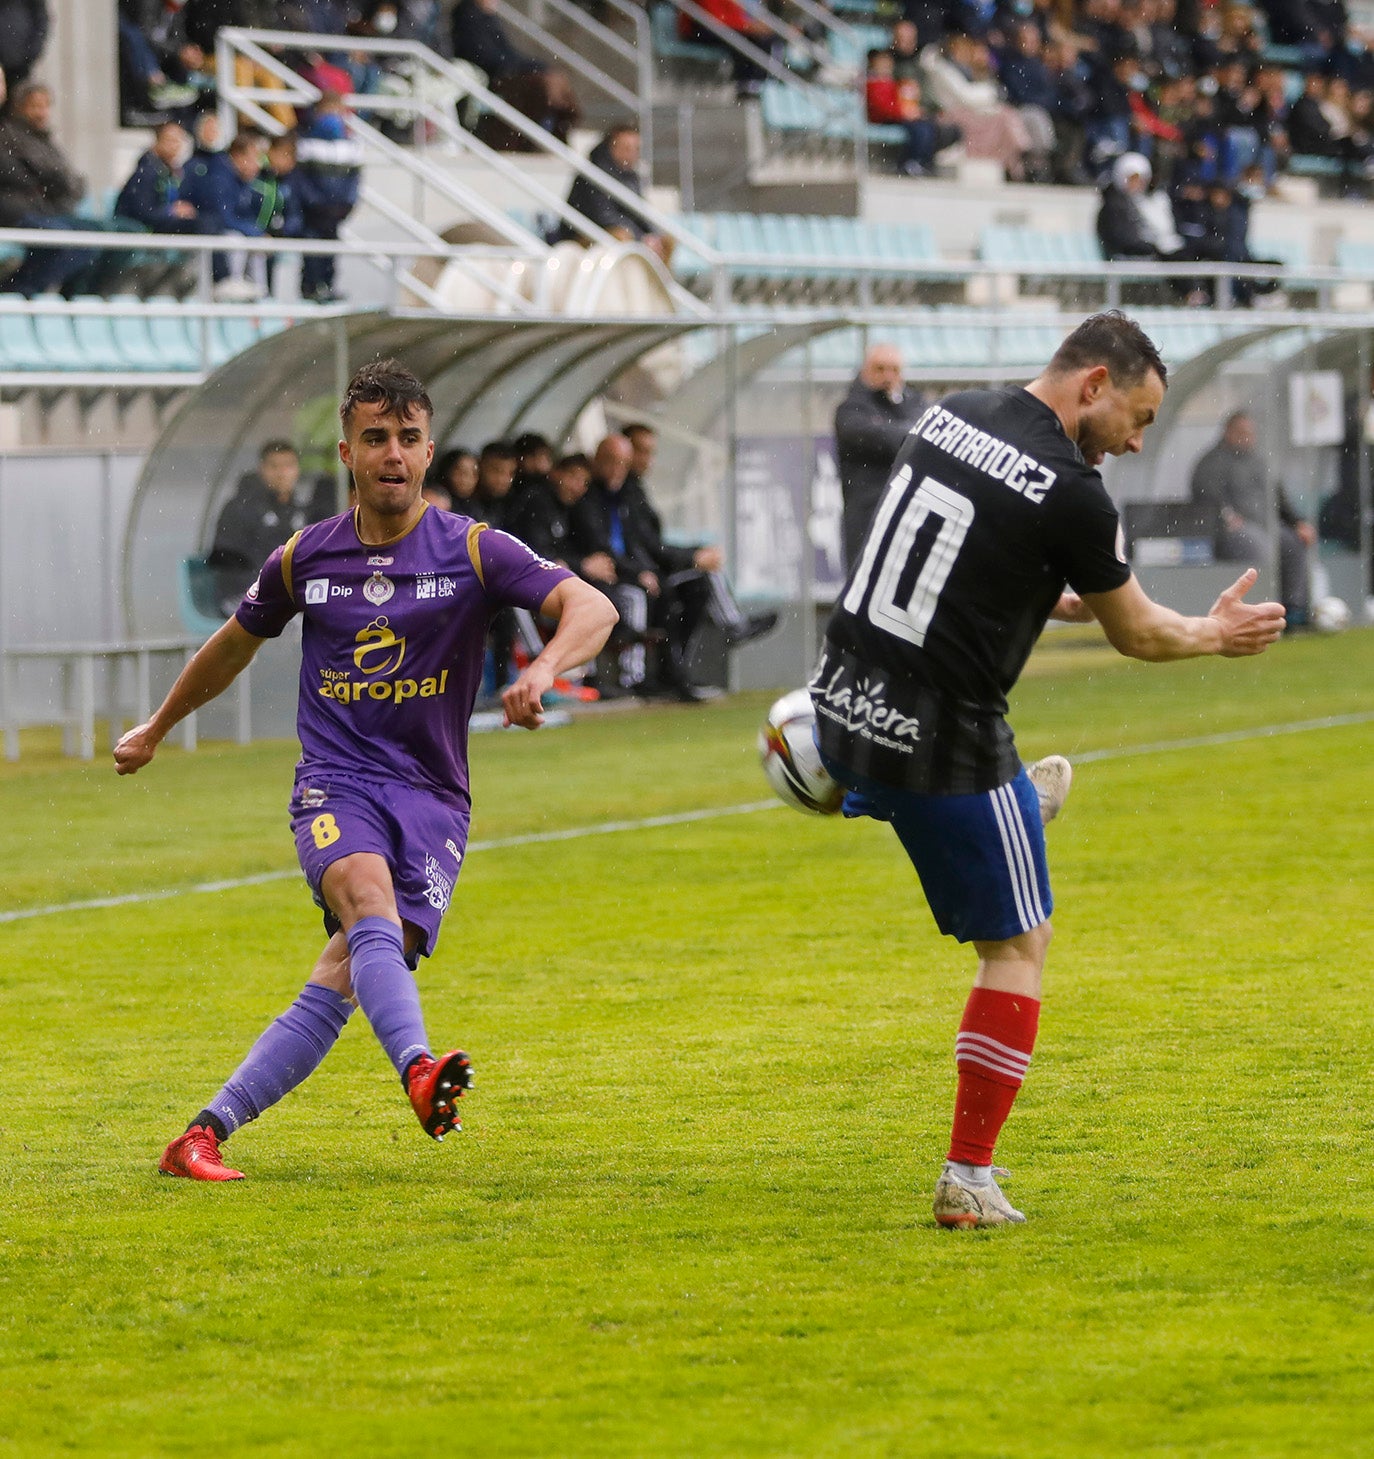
x: 444, y: 463
x: 286, y: 139
x: 877, y: 52
x: 530, y: 442
x: 1114, y: 340
x: 577, y: 461
x: 389, y: 384
x: 276, y: 448
x: 498, y: 451
x: 639, y: 428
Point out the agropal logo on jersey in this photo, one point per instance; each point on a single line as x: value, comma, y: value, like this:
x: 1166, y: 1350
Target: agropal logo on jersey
x: 378, y: 658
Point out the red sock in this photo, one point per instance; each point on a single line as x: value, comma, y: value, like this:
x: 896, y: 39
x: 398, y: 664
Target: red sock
x: 993, y: 1052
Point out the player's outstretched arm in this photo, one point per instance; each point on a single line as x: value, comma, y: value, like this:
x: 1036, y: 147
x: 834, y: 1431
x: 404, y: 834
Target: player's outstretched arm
x: 585, y: 619
x: 1140, y: 628
x: 214, y: 666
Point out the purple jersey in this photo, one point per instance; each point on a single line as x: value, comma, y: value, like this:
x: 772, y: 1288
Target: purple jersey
x: 393, y: 640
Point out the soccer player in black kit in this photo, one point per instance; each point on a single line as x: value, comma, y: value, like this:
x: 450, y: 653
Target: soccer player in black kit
x: 995, y: 519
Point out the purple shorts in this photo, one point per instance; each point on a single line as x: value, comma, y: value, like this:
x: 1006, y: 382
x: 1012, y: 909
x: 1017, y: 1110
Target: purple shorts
x: 421, y: 838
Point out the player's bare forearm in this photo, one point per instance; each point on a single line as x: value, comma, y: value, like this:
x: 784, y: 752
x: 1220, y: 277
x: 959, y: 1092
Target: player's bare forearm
x: 1143, y: 629
x: 213, y: 667
x: 585, y: 619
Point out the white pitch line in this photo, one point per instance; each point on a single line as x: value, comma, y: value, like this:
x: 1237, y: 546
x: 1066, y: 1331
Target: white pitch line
x: 682, y: 818
x: 532, y: 838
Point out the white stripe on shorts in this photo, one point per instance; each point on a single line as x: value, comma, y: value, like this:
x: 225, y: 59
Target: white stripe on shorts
x: 1020, y: 862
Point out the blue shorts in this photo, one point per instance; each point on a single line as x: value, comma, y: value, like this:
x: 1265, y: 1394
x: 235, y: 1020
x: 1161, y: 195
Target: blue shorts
x: 421, y: 838
x: 980, y: 858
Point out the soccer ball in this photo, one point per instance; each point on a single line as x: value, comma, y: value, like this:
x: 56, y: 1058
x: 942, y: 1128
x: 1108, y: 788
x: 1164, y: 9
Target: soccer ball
x: 1330, y: 615
x: 791, y: 760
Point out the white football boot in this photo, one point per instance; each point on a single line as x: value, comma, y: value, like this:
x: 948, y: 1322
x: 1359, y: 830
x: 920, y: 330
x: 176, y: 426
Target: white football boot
x: 1051, y: 778
x: 964, y: 1206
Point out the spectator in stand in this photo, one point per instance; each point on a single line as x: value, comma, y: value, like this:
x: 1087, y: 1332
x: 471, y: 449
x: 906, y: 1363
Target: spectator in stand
x: 1073, y: 104
x: 906, y: 51
x: 930, y: 17
x: 1230, y: 479
x: 224, y: 196
x: 144, y: 86
x: 533, y: 462
x: 541, y: 518
x: 39, y: 188
x: 1030, y: 88
x: 617, y: 155
x: 871, y: 424
x: 495, y: 479
x: 152, y: 195
x: 1132, y: 221
x: 23, y: 35
x: 898, y: 103
x: 1109, y: 127
x: 958, y: 80
x: 456, y: 471
x: 437, y: 495
x: 1169, y: 48
x: 748, y: 71
x: 267, y: 507
x: 542, y: 93
x: 330, y: 174
x: 278, y: 186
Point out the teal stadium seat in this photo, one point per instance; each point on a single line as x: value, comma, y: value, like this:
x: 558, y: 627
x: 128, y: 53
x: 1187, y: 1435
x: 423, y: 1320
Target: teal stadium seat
x: 1355, y: 255
x: 852, y: 48
x: 670, y: 45
x: 57, y: 340
x: 230, y: 336
x: 95, y: 340
x: 172, y: 339
x: 196, y: 585
x: 131, y: 337
x: 19, y: 347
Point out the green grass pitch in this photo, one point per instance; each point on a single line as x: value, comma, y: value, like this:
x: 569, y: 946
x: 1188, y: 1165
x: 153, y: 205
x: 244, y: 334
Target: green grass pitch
x: 689, y: 1214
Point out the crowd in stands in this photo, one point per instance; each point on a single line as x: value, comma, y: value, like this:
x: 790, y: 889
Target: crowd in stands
x: 1056, y: 90
x: 592, y: 514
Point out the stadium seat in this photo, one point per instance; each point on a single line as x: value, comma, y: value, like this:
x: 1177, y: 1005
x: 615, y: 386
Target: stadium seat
x: 19, y: 347
x: 177, y: 347
x: 670, y: 45
x: 130, y: 334
x: 57, y: 341
x: 230, y: 336
x: 95, y: 340
x: 196, y: 592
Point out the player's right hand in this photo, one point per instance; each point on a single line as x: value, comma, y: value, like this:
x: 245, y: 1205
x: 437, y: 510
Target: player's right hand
x: 134, y: 750
x: 1246, y: 628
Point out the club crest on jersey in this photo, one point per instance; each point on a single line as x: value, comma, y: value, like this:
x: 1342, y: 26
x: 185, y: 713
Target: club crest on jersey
x: 378, y: 588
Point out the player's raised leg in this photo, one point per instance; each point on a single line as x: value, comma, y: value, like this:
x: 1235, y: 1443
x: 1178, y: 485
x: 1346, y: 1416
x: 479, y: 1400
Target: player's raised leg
x: 289, y: 1050
x: 359, y: 890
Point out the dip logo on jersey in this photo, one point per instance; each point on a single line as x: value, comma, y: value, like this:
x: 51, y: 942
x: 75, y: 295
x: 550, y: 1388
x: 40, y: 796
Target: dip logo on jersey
x: 318, y: 590
x: 378, y: 588
x: 378, y: 657
x: 438, y: 886
x: 859, y: 705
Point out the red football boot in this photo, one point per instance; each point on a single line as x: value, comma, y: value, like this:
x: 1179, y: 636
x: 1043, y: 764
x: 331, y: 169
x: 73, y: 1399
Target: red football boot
x: 433, y: 1086
x: 196, y: 1156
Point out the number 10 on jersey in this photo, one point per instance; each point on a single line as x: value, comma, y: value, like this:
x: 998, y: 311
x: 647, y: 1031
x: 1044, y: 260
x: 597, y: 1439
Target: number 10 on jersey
x: 909, y: 620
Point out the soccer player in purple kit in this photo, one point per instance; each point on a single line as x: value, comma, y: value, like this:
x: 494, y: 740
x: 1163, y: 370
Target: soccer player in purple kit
x: 396, y: 599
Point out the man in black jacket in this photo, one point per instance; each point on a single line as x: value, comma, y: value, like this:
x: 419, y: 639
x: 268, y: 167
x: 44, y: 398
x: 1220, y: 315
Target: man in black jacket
x: 617, y: 155
x: 39, y: 188
x: 871, y: 424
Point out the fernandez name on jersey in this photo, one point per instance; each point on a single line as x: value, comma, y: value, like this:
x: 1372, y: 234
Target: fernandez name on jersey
x: 990, y: 512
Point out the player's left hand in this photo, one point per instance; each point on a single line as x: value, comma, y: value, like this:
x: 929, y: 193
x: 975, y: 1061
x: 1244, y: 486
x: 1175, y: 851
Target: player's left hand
x: 1071, y: 608
x: 524, y: 700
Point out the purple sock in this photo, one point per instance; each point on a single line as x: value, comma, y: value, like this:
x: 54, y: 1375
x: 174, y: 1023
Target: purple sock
x: 289, y: 1051
x: 386, y: 990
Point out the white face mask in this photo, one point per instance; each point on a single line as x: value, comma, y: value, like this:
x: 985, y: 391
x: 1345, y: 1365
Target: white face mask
x: 384, y: 22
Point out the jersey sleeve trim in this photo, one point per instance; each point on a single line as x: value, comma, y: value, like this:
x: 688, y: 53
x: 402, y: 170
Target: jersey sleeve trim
x: 287, y: 554
x: 474, y: 552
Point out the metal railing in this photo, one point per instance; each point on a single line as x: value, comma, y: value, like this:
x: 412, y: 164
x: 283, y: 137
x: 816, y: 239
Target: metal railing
x: 296, y: 91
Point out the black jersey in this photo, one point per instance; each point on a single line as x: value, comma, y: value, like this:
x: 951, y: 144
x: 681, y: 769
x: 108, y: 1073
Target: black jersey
x: 990, y: 511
